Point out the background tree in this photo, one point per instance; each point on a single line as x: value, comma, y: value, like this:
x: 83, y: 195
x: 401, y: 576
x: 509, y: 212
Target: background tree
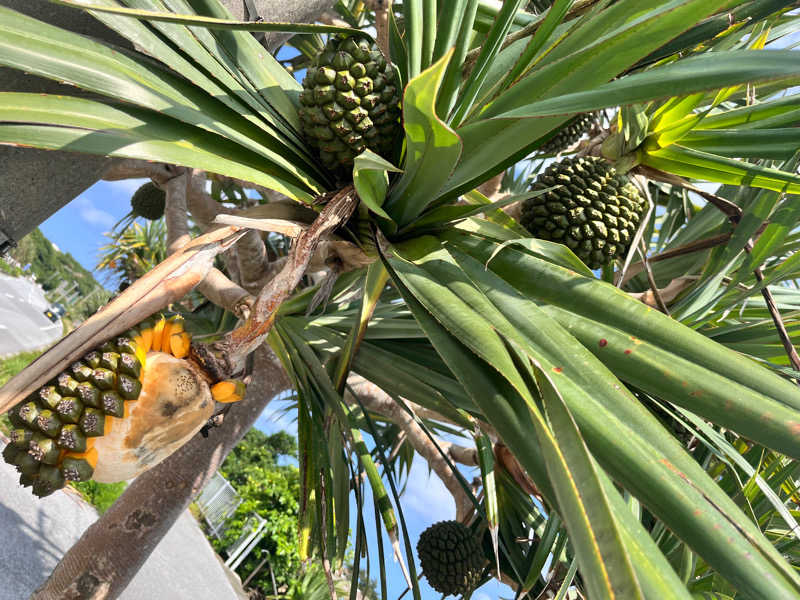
x: 632, y: 402
x: 271, y: 491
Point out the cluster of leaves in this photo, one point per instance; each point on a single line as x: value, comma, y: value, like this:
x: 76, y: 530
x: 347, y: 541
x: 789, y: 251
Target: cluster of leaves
x: 133, y: 251
x: 270, y: 490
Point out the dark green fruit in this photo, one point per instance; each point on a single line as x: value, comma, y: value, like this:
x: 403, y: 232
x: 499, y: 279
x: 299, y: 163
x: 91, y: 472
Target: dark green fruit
x: 69, y: 410
x: 44, y: 449
x: 20, y: 437
x: 451, y: 557
x: 50, y: 479
x: 49, y: 423
x: 569, y: 134
x: 50, y: 429
x: 10, y: 453
x: 594, y: 211
x: 72, y: 438
x: 93, y: 422
x: 149, y: 202
x: 350, y: 102
x: 76, y: 469
x: 26, y: 464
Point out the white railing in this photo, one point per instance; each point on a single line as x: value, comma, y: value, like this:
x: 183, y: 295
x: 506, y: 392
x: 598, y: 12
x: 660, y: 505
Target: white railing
x: 217, y: 502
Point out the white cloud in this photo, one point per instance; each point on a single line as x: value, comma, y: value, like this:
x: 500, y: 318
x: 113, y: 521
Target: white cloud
x: 93, y: 215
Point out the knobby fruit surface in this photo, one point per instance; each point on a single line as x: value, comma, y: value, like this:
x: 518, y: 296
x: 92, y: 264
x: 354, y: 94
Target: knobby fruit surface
x: 451, y: 557
x: 149, y: 201
x: 350, y: 102
x: 591, y: 209
x: 121, y: 409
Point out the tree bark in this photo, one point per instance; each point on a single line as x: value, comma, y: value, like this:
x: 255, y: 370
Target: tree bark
x: 104, y: 561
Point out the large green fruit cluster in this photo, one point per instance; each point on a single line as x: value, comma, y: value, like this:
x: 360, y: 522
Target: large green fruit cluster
x: 569, y: 134
x: 350, y: 102
x: 594, y: 210
x: 148, y: 202
x: 451, y: 557
x: 53, y: 429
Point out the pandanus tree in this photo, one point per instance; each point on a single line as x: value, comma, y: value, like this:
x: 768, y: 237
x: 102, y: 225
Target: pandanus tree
x: 634, y: 412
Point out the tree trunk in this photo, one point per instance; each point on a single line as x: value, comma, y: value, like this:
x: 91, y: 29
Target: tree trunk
x: 102, y: 563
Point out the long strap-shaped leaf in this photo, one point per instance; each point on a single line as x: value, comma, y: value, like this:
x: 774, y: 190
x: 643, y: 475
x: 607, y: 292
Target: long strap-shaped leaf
x: 698, y: 74
x: 51, y: 52
x: 702, y: 165
x: 490, y: 146
x: 88, y: 126
x: 670, y: 377
x: 433, y: 148
x: 505, y: 409
x: 648, y: 462
x: 210, y: 22
x: 601, y: 301
x: 592, y: 526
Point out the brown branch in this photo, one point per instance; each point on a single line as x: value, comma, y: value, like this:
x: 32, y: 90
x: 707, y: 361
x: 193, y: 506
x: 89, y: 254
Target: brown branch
x: 224, y: 358
x: 668, y: 293
x: 728, y: 208
x: 175, y: 213
x: 662, y: 306
x: 376, y: 400
x: 181, y: 191
x: 131, y: 168
x: 791, y: 352
x: 381, y: 10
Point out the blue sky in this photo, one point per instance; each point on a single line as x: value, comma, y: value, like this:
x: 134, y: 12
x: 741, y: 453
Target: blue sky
x: 79, y: 226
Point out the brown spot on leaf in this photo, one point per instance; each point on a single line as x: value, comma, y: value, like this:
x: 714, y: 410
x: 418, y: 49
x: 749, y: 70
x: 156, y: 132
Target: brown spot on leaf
x: 168, y: 409
x: 628, y: 351
x: 603, y: 343
x: 558, y: 369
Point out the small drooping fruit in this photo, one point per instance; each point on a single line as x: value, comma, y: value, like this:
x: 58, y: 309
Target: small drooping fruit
x: 148, y: 202
x: 118, y: 411
x: 570, y: 133
x: 594, y: 210
x: 350, y: 102
x: 451, y: 557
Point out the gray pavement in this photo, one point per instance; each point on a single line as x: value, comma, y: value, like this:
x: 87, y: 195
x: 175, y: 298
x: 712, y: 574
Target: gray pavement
x: 35, y: 533
x: 23, y: 326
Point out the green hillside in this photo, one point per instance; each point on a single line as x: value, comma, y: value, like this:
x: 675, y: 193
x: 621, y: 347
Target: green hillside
x: 51, y: 267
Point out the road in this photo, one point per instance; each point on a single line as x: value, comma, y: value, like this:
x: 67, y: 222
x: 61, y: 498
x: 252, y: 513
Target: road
x: 23, y: 325
x: 37, y: 532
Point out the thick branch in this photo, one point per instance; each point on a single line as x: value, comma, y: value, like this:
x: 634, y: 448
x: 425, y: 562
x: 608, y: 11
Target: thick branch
x: 131, y: 168
x: 175, y: 213
x: 216, y: 286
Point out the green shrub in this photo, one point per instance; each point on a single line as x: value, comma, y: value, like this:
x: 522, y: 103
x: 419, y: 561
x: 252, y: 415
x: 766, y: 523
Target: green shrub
x: 100, y: 495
